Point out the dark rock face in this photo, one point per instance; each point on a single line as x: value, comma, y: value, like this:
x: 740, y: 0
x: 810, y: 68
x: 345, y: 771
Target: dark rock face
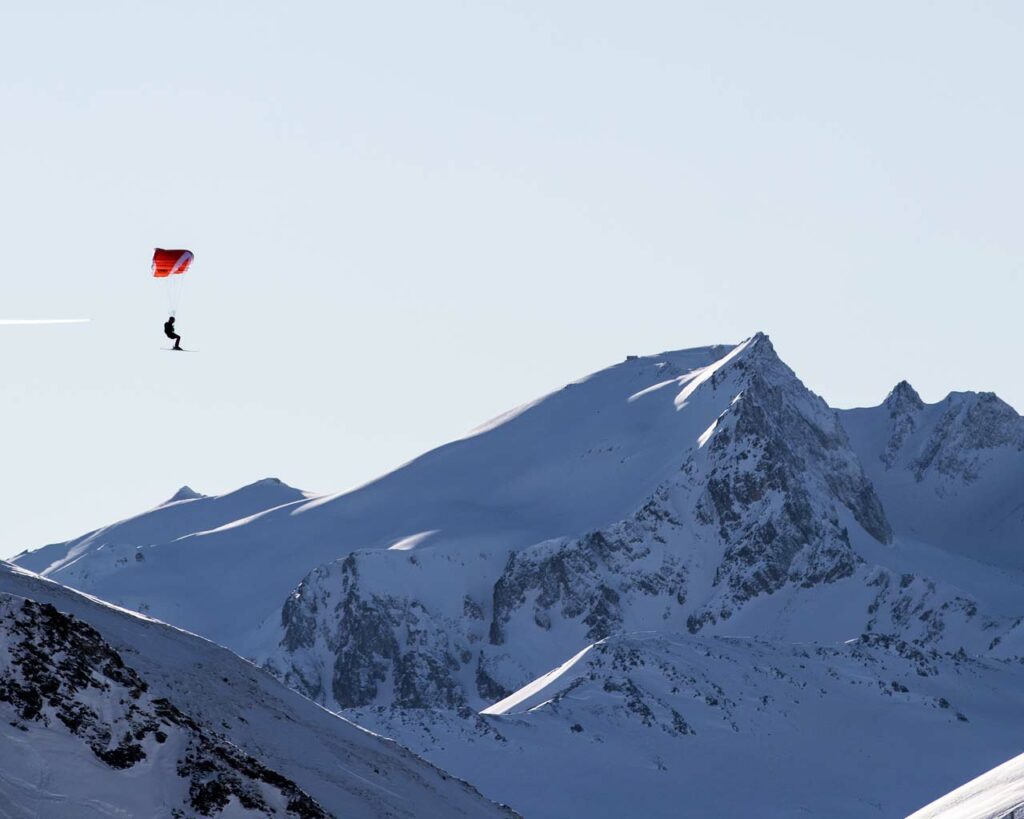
x: 903, y: 399
x: 382, y: 645
x: 926, y: 615
x: 904, y: 406
x: 592, y: 578
x: 54, y: 669
x: 217, y: 771
x: 777, y: 468
x: 52, y: 660
x: 489, y: 689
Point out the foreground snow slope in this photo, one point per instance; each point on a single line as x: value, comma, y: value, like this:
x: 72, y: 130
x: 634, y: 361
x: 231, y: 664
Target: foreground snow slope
x: 215, y: 701
x: 996, y: 794
x: 83, y: 735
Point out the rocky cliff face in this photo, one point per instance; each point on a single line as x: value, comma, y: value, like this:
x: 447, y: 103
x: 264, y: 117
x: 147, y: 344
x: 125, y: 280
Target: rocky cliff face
x: 58, y: 676
x: 379, y: 647
x: 775, y: 471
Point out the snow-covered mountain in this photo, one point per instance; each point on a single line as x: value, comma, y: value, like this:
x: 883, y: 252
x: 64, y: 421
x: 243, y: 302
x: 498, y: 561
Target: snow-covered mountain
x: 950, y: 474
x: 107, y: 713
x: 623, y: 531
x: 183, y: 514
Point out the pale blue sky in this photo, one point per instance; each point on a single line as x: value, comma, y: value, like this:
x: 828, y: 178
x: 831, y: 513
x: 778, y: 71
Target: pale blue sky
x: 408, y: 217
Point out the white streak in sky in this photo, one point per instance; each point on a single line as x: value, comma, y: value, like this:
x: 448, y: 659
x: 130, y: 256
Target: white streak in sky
x: 43, y: 321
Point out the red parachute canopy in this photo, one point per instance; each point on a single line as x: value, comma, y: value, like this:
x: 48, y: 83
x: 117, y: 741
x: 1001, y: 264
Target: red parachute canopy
x: 170, y: 262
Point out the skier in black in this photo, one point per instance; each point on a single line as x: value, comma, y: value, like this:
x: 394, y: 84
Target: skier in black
x: 169, y: 332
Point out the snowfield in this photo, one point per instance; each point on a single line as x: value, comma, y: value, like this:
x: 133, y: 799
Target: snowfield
x: 683, y: 585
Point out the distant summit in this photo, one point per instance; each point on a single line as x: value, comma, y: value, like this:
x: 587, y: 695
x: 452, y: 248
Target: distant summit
x: 186, y: 493
x: 903, y: 398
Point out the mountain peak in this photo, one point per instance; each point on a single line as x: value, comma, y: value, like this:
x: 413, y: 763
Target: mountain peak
x: 273, y: 485
x: 903, y: 398
x: 758, y: 355
x: 269, y: 482
x: 183, y: 494
x: 972, y: 398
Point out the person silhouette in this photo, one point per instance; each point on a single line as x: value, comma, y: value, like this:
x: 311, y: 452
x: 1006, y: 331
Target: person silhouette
x: 169, y: 332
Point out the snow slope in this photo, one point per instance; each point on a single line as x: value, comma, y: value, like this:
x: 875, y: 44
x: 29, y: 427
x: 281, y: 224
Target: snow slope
x: 996, y: 794
x: 85, y: 736
x: 183, y: 514
x: 201, y: 696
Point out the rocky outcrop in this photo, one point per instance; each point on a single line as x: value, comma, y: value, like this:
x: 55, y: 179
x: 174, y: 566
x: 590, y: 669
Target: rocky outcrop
x: 58, y: 673
x: 903, y: 405
x: 380, y: 647
x: 593, y: 579
x: 776, y: 469
x: 927, y: 614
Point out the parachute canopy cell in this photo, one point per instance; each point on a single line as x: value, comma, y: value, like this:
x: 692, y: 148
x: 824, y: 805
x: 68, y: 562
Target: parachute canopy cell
x: 170, y: 262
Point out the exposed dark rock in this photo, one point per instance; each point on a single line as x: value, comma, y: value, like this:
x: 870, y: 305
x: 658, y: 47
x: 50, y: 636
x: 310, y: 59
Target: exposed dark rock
x: 55, y: 669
